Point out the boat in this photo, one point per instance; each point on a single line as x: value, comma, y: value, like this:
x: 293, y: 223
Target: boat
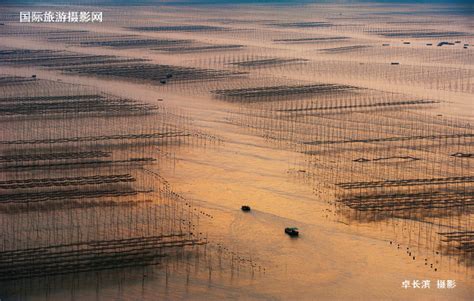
x: 292, y: 231
x: 245, y: 208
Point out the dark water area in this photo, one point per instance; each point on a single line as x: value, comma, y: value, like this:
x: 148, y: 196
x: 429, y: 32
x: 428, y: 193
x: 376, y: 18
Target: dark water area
x: 234, y: 2
x: 441, y: 7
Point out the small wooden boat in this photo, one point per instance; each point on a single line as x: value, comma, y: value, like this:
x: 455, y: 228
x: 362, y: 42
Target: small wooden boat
x: 292, y: 231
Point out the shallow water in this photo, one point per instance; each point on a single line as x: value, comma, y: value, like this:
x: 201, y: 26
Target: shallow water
x: 235, y: 159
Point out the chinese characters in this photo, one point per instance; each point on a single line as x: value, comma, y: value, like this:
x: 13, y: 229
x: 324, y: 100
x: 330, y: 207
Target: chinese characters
x: 60, y: 17
x: 425, y: 284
